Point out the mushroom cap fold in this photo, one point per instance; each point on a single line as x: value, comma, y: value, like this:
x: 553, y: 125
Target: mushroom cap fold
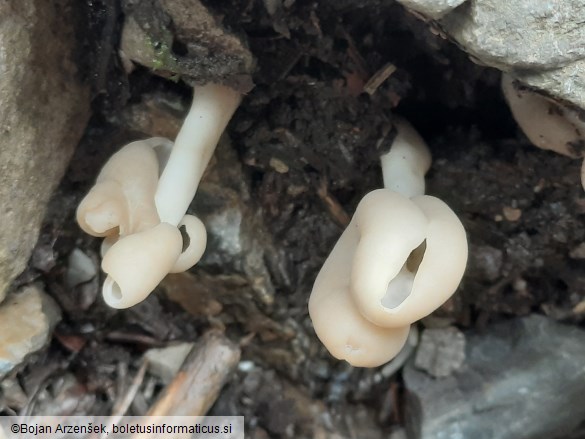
x: 197, y: 234
x: 347, y: 334
x: 108, y: 242
x: 123, y: 196
x: 137, y: 263
x: 380, y: 266
x: 102, y: 210
x: 390, y: 228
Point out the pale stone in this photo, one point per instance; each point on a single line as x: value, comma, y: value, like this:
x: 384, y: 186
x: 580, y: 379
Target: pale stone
x: 538, y: 41
x: 27, y: 319
x: 432, y: 8
x: 166, y: 362
x: 44, y: 108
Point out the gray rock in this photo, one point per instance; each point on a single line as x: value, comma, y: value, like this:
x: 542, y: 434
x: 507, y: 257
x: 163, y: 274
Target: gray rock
x: 398, y: 434
x: 66, y: 396
x: 375, y: 376
x: 12, y: 395
x: 237, y: 239
x: 166, y: 362
x: 485, y: 262
x: 538, y: 41
x: 432, y: 8
x: 567, y: 83
x: 524, y: 34
x: 80, y: 268
x: 522, y: 379
x: 441, y: 351
x: 578, y: 252
x: 43, y: 112
x: 27, y: 319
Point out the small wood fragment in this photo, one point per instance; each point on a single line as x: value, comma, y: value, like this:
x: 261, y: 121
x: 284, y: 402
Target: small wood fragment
x: 335, y: 209
x: 199, y: 381
x: 123, y: 404
x: 378, y: 78
x: 360, y: 63
x: 511, y: 214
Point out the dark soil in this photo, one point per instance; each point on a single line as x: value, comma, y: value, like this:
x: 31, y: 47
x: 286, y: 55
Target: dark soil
x: 308, y: 140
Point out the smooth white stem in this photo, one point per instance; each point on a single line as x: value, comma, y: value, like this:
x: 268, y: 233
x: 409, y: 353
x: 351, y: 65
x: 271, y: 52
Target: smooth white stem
x: 409, y: 159
x: 211, y: 110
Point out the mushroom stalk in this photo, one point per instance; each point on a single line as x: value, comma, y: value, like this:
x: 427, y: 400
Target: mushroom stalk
x: 409, y: 159
x: 212, y: 107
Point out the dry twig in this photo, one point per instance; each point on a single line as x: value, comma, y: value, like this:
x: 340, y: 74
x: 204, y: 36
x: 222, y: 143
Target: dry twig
x: 123, y: 404
x: 335, y: 209
x: 197, y: 385
x: 378, y: 78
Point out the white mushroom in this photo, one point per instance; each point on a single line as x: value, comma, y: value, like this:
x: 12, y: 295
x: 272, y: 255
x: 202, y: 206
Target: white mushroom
x: 398, y: 260
x: 547, y: 124
x: 141, y: 197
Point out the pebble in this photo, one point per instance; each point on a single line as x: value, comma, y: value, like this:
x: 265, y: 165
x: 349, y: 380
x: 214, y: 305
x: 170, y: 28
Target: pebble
x: 27, y: 319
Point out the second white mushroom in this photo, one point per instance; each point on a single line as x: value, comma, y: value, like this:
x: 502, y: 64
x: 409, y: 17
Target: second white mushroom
x: 400, y: 258
x: 547, y: 123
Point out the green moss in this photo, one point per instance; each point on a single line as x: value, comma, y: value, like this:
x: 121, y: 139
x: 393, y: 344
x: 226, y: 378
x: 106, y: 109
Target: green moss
x: 163, y: 57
